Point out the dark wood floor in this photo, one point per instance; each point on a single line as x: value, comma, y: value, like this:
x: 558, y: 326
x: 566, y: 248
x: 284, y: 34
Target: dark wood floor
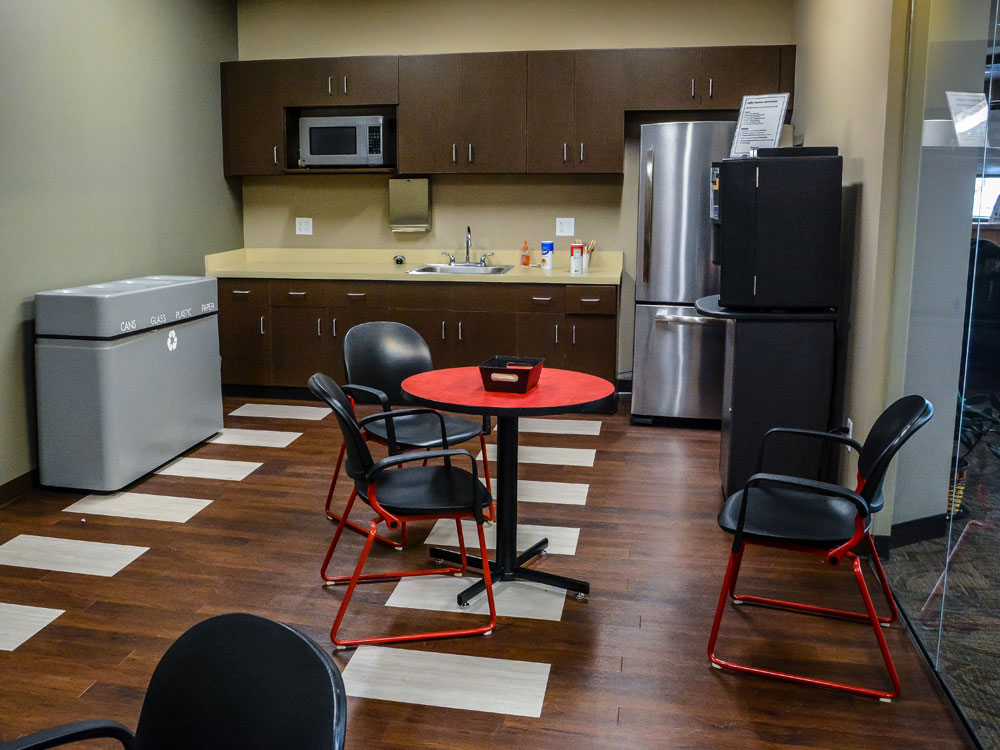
x: 628, y: 663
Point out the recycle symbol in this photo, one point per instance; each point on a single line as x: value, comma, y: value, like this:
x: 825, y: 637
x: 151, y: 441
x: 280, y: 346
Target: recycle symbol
x: 171, y: 340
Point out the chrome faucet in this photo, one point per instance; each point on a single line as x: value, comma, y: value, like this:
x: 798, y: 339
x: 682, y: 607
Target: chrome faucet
x: 468, y: 244
x: 451, y: 258
x: 482, y: 261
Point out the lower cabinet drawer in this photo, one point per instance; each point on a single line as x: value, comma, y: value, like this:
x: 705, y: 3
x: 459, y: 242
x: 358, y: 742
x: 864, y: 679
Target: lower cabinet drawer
x: 592, y: 300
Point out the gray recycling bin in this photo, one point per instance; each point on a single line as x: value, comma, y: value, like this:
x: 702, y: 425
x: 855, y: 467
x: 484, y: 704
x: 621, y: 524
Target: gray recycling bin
x: 127, y: 377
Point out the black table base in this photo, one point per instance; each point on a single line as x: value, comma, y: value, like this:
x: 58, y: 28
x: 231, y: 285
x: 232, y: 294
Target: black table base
x: 509, y: 566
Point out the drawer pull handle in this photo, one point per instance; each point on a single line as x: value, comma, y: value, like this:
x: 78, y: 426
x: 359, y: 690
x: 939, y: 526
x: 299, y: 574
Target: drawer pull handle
x: 261, y: 325
x: 557, y: 333
x: 296, y: 294
x: 442, y: 331
x: 574, y: 335
x: 334, y: 320
x: 590, y: 300
x: 356, y: 294
x: 319, y: 326
x: 460, y: 330
x: 503, y: 377
x: 541, y: 299
x: 241, y: 291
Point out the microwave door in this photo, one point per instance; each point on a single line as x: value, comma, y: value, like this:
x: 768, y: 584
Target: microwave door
x: 335, y: 144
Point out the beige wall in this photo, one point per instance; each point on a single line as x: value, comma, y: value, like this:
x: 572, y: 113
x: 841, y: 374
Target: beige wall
x: 351, y: 211
x: 111, y: 159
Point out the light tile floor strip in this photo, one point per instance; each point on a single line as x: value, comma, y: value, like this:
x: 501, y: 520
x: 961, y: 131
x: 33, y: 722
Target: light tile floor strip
x: 18, y: 623
x: 559, y: 493
x: 533, y: 454
x: 513, y: 598
x: 281, y: 411
x: 562, y: 539
x: 473, y: 683
x: 68, y: 555
x: 140, y: 505
x: 259, y: 438
x: 210, y: 468
x: 559, y: 426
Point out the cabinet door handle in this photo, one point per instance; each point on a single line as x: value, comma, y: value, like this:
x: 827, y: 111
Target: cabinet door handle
x: 710, y: 88
x: 334, y: 321
x: 345, y: 85
x: 581, y: 153
x: 329, y: 85
x: 454, y: 154
x: 692, y: 88
x: 319, y: 326
x: 565, y: 153
x: 275, y: 154
x: 470, y: 153
x: 241, y: 291
x: 356, y: 294
x: 296, y: 294
x: 442, y: 331
x: 460, y: 330
x: 590, y: 300
x: 574, y: 335
x: 557, y: 333
x: 261, y: 325
x: 541, y: 299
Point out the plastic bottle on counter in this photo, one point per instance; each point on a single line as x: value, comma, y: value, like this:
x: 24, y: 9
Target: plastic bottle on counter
x: 525, y: 255
x: 548, y: 255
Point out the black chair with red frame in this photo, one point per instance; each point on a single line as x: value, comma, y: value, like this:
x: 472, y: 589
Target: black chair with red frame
x: 398, y: 494
x: 378, y: 357
x: 819, y: 518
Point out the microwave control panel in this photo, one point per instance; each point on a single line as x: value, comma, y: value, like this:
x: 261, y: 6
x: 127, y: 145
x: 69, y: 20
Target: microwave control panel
x: 374, y: 141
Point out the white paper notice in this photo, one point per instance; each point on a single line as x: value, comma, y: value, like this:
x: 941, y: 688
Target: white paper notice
x: 759, y: 126
x: 968, y: 111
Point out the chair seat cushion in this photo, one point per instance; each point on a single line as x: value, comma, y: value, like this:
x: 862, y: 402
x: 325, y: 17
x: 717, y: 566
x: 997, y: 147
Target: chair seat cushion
x: 424, y: 430
x: 418, y: 490
x: 785, y: 514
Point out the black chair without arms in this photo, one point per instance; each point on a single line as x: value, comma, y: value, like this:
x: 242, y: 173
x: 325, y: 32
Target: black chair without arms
x: 823, y: 519
x: 378, y: 357
x: 398, y: 494
x: 232, y: 682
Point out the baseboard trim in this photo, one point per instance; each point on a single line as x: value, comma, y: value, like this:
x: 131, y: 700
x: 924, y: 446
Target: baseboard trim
x: 10, y: 491
x: 918, y: 530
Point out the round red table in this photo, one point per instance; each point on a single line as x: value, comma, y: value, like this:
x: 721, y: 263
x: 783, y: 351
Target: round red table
x: 460, y: 389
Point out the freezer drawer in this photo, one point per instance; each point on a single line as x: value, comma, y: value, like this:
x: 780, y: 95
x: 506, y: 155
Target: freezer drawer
x: 111, y: 411
x: 678, y: 363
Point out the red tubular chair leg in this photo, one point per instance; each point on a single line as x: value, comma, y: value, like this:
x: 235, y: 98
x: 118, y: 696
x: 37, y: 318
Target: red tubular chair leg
x: 350, y: 524
x: 728, y: 585
x: 883, y: 582
x: 490, y: 512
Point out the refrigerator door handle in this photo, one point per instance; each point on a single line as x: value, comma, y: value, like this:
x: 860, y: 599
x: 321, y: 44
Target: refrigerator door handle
x: 689, y: 319
x: 647, y: 213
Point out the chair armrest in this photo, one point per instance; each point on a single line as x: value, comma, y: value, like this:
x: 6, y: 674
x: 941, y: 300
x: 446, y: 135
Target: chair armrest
x: 364, y: 390
x: 390, y: 461
x: 76, y: 731
x: 814, y: 434
x: 391, y: 430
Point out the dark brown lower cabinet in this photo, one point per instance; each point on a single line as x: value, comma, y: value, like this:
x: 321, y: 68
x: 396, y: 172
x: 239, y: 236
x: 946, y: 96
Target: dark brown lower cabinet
x: 479, y: 336
x: 343, y: 319
x: 538, y: 336
x: 245, y: 331
x: 300, y: 344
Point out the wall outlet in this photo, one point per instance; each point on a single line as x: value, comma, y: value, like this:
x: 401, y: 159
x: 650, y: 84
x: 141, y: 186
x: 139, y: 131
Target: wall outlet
x: 303, y: 226
x: 565, y: 227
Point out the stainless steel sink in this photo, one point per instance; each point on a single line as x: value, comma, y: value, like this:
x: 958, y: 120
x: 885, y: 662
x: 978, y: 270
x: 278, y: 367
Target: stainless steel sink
x: 460, y: 269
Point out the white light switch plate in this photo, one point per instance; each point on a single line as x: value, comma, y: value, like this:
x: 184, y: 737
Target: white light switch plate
x: 303, y: 226
x: 565, y: 227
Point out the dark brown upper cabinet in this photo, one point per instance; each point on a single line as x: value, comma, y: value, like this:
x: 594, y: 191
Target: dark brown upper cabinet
x: 663, y: 78
x: 730, y: 73
x: 462, y: 113
x: 575, y: 111
x: 253, y: 122
x: 341, y: 81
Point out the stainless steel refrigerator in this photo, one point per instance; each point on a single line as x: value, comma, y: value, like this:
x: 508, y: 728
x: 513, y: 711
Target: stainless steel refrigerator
x: 678, y: 356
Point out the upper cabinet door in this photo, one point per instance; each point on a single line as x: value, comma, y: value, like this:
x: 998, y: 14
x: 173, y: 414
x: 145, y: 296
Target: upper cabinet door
x: 551, y: 142
x: 730, y: 73
x: 663, y: 78
x: 599, y: 121
x: 340, y: 81
x: 429, y: 129
x: 253, y: 121
x: 493, y: 111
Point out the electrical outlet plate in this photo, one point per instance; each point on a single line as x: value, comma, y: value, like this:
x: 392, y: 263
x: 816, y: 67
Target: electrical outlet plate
x: 303, y: 226
x: 565, y: 227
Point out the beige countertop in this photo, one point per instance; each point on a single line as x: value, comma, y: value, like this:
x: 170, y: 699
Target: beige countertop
x: 378, y: 265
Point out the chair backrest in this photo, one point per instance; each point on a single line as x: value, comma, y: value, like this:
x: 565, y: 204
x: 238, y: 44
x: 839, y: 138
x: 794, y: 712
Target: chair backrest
x: 358, y: 459
x: 893, y: 427
x: 243, y: 682
x: 383, y: 354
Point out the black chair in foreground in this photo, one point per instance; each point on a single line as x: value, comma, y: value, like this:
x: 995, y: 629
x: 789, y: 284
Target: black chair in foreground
x: 818, y: 518
x: 378, y: 357
x: 233, y: 682
x: 398, y: 495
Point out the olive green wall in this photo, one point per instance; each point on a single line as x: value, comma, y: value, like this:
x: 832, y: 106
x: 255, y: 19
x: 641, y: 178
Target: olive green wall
x: 351, y: 211
x: 110, y: 161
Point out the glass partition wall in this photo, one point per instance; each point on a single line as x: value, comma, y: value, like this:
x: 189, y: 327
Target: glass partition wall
x: 948, y: 582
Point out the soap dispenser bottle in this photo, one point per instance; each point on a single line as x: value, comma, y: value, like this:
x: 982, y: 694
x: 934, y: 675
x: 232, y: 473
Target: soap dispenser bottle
x: 525, y: 255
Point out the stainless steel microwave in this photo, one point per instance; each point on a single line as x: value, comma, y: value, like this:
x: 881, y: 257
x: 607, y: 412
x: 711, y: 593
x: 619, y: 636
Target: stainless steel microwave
x: 343, y: 141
